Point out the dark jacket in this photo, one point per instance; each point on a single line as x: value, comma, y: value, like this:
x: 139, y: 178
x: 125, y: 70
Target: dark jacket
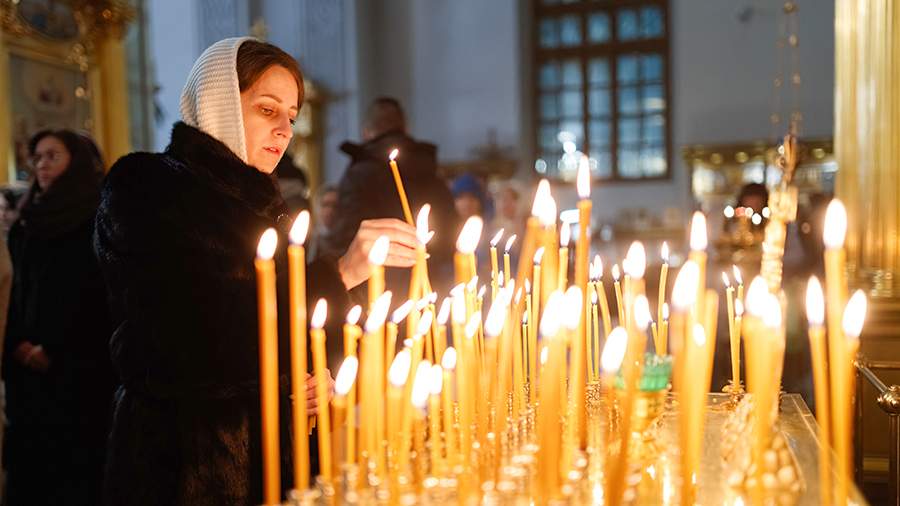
x: 176, y: 236
x: 58, y: 419
x: 367, y: 191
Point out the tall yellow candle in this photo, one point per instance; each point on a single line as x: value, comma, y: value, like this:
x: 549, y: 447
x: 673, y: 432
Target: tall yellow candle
x: 549, y: 408
x: 835, y: 296
x: 372, y: 384
x: 663, y: 279
x: 601, y: 295
x: 397, y: 318
x: 698, y: 373
x: 435, y: 386
x: 466, y: 243
x: 740, y: 282
x: 698, y: 244
x: 448, y: 363
x: 343, y: 385
x: 610, y: 362
x: 815, y: 314
x: 495, y: 264
x: 574, y: 299
x: 507, y: 268
x: 419, y: 283
x: 352, y: 333
x: 594, y: 348
x: 620, y: 303
x: 317, y: 334
x: 664, y: 329
x: 398, y: 375
x: 297, y: 290
x: 565, y: 232
x: 418, y: 403
x: 267, y: 311
x: 852, y: 324
x: 399, y: 183
x: 545, y: 210
x: 733, y: 334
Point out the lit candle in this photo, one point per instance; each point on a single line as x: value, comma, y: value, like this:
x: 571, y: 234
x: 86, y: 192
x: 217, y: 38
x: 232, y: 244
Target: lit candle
x: 418, y: 282
x: 549, y: 407
x: 352, y: 332
x: 372, y: 386
x: 684, y: 296
x: 594, y: 348
x: 564, y: 233
x: 620, y: 304
x: 397, y: 317
x: 815, y: 314
x: 574, y: 300
x: 399, y: 183
x: 435, y: 386
x: 343, y: 385
x: 536, y: 313
x: 663, y: 278
x: 733, y: 335
x: 377, y: 256
x: 398, y: 375
x: 852, y: 324
x: 698, y: 243
x: 739, y: 280
x: 507, y: 268
x: 693, y: 409
x: 268, y: 364
x: 601, y: 296
x: 317, y: 334
x: 664, y: 329
x: 419, y: 401
x: 835, y: 296
x: 502, y: 363
x: 466, y: 243
x: 440, y: 343
x: 495, y: 265
x: 297, y: 288
x: 448, y: 363
x: 546, y: 213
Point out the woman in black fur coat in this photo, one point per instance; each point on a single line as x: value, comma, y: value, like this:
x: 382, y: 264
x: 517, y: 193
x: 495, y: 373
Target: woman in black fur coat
x: 176, y: 236
x: 59, y: 379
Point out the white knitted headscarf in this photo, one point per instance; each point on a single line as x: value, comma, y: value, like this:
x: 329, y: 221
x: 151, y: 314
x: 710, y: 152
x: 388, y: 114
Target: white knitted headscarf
x: 211, y: 99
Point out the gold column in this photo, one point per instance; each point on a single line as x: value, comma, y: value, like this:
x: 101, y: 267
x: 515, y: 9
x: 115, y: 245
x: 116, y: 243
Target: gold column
x: 113, y: 124
x: 867, y: 137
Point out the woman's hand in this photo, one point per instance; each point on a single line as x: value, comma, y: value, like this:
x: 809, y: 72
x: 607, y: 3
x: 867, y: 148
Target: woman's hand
x: 312, y: 402
x: 354, y: 265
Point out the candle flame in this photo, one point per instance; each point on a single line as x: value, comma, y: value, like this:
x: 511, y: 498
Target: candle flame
x: 481, y: 291
x: 726, y: 280
x: 614, y: 350
x: 436, y: 380
x: 319, y: 313
x: 550, y: 319
x: 425, y: 323
x: 699, y: 335
x: 583, y: 178
x: 684, y: 291
x: 664, y: 252
x: 346, y: 375
x: 500, y: 279
x: 815, y: 303
x: 300, y: 228
x: 448, y: 359
x: 544, y: 207
x: 574, y: 299
x: 432, y: 297
x: 594, y: 299
x: 597, y: 264
x: 615, y: 272
x: 635, y: 260
x: 772, y: 316
x: 737, y: 275
x: 538, y: 255
x: 399, y: 370
x: 393, y: 155
x: 564, y: 233
x: 545, y: 354
x: 354, y: 314
x: 469, y: 236
x: 470, y: 286
x: 738, y: 308
x: 665, y: 311
x: 496, y: 318
x: 422, y: 233
x: 698, y: 232
x: 642, y: 315
x: 378, y: 313
x: 756, y: 297
x: 855, y: 315
x: 401, y: 312
x: 527, y: 286
x: 267, y: 244
x: 509, y: 243
x: 422, y: 303
x: 835, y: 225
x: 444, y: 311
x: 474, y: 323
x: 379, y: 252
x: 458, y: 308
x: 496, y: 239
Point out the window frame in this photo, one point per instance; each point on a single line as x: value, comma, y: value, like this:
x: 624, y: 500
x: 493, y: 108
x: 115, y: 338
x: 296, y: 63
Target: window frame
x: 610, y: 50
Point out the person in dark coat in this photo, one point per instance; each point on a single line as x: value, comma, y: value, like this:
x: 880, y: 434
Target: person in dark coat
x: 177, y: 234
x: 367, y: 191
x: 56, y: 366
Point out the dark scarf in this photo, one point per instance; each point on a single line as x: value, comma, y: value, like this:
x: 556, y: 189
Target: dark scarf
x: 70, y: 201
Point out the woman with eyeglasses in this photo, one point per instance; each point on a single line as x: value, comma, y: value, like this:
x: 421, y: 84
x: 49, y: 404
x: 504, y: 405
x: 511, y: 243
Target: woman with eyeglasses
x: 56, y: 365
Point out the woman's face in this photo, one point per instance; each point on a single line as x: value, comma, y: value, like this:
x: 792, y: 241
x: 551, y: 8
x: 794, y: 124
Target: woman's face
x: 51, y: 158
x: 269, y: 108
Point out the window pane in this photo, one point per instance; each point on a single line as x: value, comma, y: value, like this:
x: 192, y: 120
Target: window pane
x: 653, y: 161
x: 598, y: 100
x: 654, y: 100
x: 571, y: 103
x: 548, y: 137
x: 547, y: 33
x: 651, y: 22
x: 629, y: 131
x: 628, y: 101
x: 571, y: 73
x: 570, y: 30
x: 598, y: 71
x: 600, y: 134
x: 654, y: 129
x: 549, y: 75
x: 549, y: 107
x: 598, y: 27
x: 601, y: 163
x: 627, y: 69
x: 651, y: 67
x: 627, y: 24
x: 629, y: 163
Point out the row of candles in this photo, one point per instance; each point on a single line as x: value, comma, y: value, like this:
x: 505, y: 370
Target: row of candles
x: 485, y: 388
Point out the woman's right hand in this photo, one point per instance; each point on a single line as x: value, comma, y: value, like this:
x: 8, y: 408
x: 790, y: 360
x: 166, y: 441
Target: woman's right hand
x: 354, y: 265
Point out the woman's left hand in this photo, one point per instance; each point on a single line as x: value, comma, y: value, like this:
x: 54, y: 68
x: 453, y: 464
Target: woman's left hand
x: 312, y: 401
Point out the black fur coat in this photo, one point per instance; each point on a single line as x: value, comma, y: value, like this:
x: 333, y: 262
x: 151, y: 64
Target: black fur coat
x: 176, y: 237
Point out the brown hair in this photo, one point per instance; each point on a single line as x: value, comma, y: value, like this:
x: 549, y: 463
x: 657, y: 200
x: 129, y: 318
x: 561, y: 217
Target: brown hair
x: 255, y: 57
